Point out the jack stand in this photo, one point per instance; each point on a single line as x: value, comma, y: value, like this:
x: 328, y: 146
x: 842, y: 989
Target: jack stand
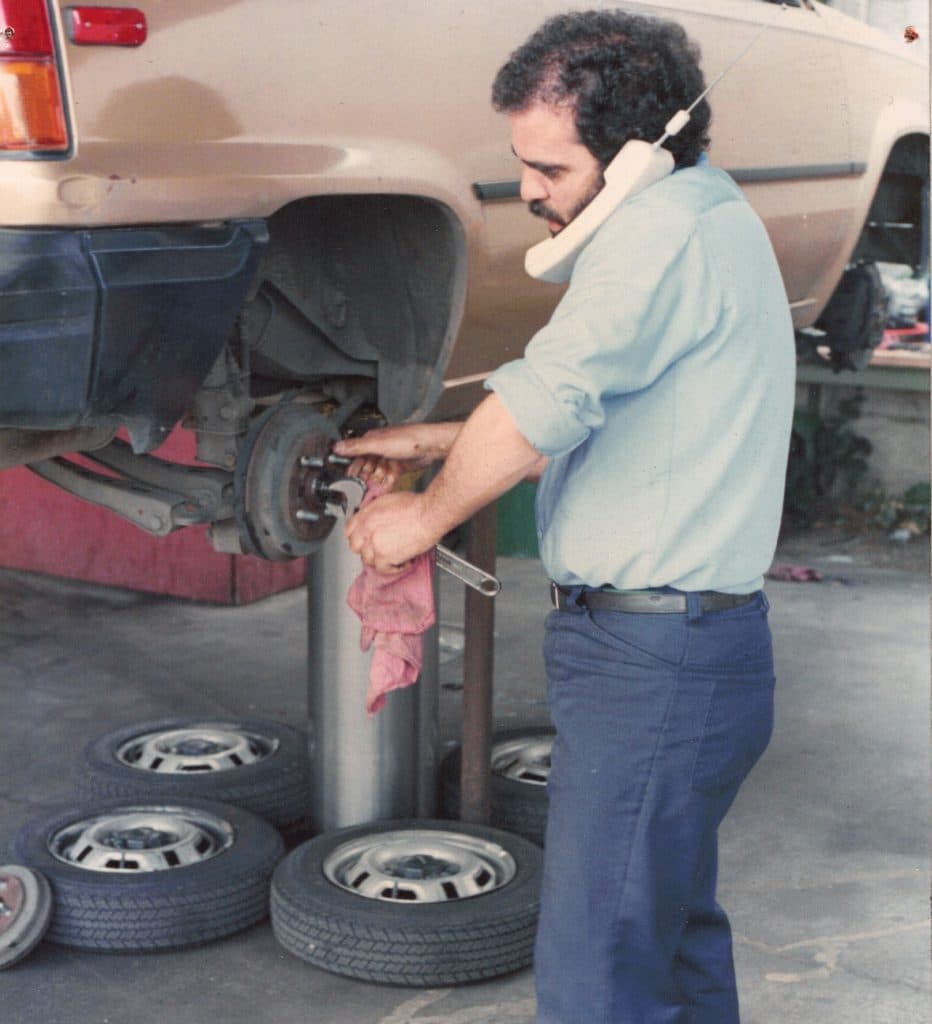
x: 363, y: 769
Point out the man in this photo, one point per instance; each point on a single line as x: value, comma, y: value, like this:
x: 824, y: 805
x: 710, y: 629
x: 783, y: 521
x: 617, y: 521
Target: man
x: 657, y: 405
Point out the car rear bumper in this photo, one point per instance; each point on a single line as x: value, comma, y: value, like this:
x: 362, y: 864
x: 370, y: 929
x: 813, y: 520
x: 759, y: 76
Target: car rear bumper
x: 117, y: 325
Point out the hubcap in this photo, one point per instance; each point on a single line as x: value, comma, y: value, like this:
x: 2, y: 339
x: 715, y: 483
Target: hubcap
x: 25, y: 911
x: 525, y: 759
x: 142, y: 839
x: 420, y: 866
x: 12, y: 900
x: 207, y: 747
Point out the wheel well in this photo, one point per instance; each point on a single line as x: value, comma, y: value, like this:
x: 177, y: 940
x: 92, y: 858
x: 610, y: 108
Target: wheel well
x: 366, y: 287
x: 896, y: 230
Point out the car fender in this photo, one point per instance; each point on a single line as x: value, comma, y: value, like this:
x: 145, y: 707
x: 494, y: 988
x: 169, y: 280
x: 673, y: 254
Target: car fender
x: 902, y: 117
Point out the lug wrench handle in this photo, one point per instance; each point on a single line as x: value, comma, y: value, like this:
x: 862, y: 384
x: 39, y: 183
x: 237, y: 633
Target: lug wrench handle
x: 466, y: 572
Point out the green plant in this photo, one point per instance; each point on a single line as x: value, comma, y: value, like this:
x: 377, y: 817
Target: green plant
x: 825, y: 455
x: 910, y: 509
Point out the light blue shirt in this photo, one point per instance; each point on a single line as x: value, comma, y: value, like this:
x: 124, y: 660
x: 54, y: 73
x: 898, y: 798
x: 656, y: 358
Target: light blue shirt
x: 662, y: 389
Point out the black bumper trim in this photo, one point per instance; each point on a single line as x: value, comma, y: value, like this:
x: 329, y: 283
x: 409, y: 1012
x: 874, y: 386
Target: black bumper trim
x: 117, y: 325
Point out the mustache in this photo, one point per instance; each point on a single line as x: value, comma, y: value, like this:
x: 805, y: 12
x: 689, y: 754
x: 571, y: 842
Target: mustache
x: 538, y: 209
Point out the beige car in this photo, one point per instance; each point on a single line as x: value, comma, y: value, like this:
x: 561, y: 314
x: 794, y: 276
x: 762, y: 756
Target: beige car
x: 280, y: 220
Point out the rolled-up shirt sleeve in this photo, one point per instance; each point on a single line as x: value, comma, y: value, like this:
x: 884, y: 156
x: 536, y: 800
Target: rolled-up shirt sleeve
x: 620, y: 324
x: 539, y: 411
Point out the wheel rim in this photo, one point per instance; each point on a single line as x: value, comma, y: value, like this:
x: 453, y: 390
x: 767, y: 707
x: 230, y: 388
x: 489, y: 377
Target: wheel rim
x: 524, y: 759
x: 25, y: 911
x: 420, y: 866
x: 196, y: 749
x: 142, y: 839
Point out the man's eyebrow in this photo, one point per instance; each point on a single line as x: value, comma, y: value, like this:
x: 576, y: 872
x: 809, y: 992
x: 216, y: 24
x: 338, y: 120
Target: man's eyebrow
x: 538, y: 166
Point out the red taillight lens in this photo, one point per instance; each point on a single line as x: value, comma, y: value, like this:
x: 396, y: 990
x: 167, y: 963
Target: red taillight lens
x: 105, y: 26
x: 24, y: 28
x: 32, y: 110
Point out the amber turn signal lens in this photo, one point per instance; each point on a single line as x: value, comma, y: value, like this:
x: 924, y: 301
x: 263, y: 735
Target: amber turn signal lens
x: 31, y: 109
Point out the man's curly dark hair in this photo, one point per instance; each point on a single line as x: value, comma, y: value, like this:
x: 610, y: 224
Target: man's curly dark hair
x: 623, y: 74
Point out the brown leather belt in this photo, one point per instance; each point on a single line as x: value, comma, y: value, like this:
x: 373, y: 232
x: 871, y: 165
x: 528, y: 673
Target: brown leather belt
x: 644, y: 601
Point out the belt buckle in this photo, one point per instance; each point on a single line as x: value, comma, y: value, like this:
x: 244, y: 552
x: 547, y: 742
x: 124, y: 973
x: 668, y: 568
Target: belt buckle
x: 559, y: 598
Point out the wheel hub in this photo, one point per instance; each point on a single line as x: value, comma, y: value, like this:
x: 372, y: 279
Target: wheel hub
x: 197, y: 748
x: 524, y: 760
x: 200, y: 748
x: 420, y: 866
x: 12, y: 900
x: 142, y: 839
x: 277, y: 483
x: 25, y: 911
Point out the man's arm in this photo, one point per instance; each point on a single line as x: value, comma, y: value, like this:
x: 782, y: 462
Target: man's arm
x: 489, y: 456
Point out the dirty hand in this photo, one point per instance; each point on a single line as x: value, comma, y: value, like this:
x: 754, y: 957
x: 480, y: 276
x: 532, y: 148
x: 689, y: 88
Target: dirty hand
x: 373, y: 469
x: 390, y: 531
x: 382, y: 456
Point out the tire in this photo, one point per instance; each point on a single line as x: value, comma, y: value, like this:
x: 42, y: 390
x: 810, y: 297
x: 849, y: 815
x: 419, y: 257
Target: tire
x: 274, y: 784
x: 223, y: 889
x: 418, y: 942
x: 519, y: 799
x: 855, y: 317
x: 25, y: 912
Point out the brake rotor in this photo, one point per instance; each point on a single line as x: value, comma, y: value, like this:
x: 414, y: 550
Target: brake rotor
x: 280, y: 471
x: 25, y: 912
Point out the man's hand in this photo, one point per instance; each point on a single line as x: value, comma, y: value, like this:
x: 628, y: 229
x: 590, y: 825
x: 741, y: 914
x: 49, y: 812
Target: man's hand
x: 417, y: 443
x: 385, y: 455
x: 390, y: 531
x: 384, y: 473
x: 482, y: 458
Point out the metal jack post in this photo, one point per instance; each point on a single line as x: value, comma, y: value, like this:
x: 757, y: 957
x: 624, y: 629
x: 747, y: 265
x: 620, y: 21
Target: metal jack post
x: 366, y: 769
x: 362, y: 769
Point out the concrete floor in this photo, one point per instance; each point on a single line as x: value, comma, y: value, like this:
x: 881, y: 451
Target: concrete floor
x: 825, y: 857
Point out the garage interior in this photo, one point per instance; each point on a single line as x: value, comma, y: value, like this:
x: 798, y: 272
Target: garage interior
x: 825, y: 868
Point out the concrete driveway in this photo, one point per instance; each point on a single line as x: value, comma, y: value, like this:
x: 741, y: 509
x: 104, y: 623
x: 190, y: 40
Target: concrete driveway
x: 825, y: 857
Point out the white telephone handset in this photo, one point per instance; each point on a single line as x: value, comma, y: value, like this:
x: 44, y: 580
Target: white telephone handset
x: 636, y: 165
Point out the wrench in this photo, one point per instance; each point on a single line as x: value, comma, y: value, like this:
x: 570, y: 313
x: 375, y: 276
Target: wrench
x: 345, y: 496
x: 467, y: 572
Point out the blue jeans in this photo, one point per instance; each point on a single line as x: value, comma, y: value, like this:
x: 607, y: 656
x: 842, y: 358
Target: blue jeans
x: 659, y: 719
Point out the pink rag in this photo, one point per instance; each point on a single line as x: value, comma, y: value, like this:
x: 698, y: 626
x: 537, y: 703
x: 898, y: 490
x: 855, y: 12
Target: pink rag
x: 794, y: 574
x: 395, y: 610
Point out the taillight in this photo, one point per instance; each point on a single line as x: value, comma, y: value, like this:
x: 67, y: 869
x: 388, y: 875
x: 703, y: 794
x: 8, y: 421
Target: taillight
x: 32, y: 109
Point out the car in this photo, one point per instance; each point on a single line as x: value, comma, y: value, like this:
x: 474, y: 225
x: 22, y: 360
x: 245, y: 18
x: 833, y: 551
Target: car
x: 276, y: 222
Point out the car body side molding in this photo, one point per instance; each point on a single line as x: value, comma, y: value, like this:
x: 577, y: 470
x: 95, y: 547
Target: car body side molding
x: 492, y: 191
